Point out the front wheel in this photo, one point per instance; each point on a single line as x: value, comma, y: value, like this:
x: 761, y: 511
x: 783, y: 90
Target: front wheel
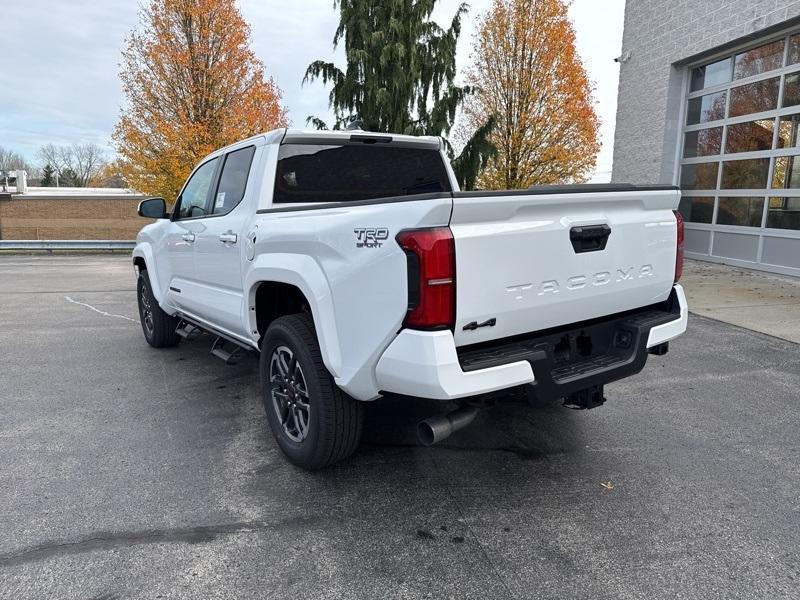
x: 158, y: 326
x: 314, y: 422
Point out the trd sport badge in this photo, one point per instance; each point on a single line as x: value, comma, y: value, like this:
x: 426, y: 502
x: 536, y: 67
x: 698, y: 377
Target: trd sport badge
x: 371, y: 237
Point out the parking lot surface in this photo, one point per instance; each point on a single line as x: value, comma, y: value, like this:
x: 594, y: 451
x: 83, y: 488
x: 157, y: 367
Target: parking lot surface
x: 128, y: 472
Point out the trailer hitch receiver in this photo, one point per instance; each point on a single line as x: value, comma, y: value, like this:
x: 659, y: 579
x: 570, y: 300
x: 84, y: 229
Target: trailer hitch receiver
x: 591, y: 397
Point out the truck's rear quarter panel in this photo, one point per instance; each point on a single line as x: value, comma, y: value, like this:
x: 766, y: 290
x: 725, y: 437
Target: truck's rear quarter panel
x: 367, y: 283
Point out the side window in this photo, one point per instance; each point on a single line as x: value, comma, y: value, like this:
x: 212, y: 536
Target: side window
x: 233, y: 180
x: 194, y: 199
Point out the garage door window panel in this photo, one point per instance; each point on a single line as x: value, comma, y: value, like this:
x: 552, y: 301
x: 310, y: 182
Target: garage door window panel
x: 787, y: 131
x: 748, y: 174
x: 784, y: 213
x: 791, y: 90
x: 758, y: 60
x: 786, y: 173
x: 697, y: 210
x: 750, y: 136
x: 712, y: 74
x: 703, y: 142
x: 756, y: 97
x: 745, y: 212
x: 793, y: 56
x: 710, y: 107
x: 699, y: 176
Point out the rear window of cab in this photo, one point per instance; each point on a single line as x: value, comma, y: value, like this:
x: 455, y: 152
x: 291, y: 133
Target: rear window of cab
x: 350, y: 172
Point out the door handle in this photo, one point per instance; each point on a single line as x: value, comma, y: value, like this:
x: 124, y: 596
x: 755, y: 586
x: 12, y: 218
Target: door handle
x: 187, y: 237
x: 228, y: 237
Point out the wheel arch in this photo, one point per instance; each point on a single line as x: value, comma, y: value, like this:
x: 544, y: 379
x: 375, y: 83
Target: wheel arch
x: 143, y: 259
x: 278, y: 288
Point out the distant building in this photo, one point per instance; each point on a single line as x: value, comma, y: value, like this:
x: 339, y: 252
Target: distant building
x: 709, y: 99
x: 49, y: 213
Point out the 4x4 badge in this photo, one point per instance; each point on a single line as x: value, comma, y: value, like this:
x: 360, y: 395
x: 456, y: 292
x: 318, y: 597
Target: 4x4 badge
x: 475, y: 325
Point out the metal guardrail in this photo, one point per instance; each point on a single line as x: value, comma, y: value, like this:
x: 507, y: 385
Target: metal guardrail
x: 67, y: 244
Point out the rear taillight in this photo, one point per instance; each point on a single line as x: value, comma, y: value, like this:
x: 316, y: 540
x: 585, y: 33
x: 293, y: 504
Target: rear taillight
x: 431, y: 277
x: 679, y: 253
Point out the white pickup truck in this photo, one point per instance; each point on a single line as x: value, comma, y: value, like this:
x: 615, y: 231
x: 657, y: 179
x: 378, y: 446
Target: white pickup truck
x: 355, y: 266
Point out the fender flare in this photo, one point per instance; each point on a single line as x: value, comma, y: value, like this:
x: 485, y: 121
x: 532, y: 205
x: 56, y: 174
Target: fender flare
x: 287, y: 268
x: 144, y: 251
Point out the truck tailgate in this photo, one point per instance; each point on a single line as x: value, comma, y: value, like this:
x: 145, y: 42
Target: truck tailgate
x: 531, y: 261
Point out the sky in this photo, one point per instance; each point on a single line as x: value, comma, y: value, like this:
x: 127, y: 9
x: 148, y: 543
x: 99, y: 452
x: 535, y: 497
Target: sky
x: 59, y: 66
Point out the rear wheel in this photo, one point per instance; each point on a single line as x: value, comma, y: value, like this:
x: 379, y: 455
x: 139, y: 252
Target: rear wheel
x: 314, y: 422
x: 158, y: 326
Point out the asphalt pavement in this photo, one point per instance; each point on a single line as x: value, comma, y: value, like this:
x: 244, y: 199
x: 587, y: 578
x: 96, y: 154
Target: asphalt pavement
x: 129, y: 472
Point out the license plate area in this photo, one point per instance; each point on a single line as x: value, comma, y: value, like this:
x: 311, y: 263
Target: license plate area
x: 568, y: 359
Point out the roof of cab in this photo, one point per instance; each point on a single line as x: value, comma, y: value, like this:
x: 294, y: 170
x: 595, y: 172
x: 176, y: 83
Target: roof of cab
x: 316, y: 136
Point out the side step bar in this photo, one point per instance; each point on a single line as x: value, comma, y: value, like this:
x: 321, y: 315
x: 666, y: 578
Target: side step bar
x: 188, y: 331
x: 222, y: 347
x: 227, y: 351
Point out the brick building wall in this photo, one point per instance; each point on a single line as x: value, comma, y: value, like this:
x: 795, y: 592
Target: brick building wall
x: 72, y: 218
x: 660, y: 35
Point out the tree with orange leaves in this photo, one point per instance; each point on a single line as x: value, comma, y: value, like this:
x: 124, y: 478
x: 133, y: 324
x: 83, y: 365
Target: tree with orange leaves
x: 529, y: 76
x: 192, y: 85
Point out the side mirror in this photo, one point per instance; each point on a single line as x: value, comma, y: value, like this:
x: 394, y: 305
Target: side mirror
x: 153, y: 208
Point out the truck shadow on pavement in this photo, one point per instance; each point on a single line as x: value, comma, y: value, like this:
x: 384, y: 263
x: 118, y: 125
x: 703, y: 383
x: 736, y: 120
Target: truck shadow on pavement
x: 509, y: 423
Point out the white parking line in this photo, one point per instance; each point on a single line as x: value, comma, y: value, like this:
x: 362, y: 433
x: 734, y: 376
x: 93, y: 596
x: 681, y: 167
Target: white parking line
x: 97, y: 310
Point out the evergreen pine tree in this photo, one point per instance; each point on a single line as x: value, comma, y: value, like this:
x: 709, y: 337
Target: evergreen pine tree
x: 68, y: 178
x: 400, y: 75
x: 47, y: 176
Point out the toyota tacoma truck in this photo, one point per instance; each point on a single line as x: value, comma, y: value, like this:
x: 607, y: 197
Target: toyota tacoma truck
x: 354, y: 266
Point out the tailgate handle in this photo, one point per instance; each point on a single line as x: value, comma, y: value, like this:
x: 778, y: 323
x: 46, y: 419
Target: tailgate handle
x: 589, y: 238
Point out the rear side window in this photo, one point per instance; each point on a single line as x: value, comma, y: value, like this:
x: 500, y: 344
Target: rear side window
x: 233, y: 180
x: 340, y: 173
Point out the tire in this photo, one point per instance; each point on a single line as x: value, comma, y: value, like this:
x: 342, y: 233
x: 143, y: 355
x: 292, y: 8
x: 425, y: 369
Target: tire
x: 158, y: 326
x: 314, y: 422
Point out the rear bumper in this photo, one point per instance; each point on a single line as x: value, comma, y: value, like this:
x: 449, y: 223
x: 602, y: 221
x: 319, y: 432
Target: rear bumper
x: 428, y: 364
x: 669, y: 331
